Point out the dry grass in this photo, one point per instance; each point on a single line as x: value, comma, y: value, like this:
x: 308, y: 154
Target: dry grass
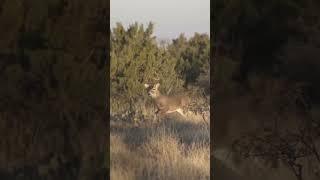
x: 171, y: 149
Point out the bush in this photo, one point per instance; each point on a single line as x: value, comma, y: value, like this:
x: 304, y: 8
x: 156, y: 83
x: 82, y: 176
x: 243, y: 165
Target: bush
x: 137, y: 58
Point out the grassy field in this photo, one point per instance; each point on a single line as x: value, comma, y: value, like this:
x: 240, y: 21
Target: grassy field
x: 173, y: 148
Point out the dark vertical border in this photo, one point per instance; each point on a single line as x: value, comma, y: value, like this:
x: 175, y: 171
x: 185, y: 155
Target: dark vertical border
x: 62, y: 127
x: 211, y: 87
x: 108, y: 89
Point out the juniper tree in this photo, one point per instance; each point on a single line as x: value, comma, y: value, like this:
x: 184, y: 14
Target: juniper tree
x: 192, y: 56
x: 136, y: 59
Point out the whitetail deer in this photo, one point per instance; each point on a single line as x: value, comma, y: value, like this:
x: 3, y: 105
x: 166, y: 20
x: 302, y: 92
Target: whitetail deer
x: 166, y: 104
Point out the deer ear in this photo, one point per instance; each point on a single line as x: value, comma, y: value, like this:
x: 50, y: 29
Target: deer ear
x: 157, y: 85
x: 146, y: 85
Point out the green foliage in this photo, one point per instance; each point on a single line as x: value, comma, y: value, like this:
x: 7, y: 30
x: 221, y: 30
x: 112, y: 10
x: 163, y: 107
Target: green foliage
x: 192, y: 56
x: 136, y: 58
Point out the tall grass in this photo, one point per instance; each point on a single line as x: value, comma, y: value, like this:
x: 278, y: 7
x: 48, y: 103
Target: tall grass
x: 172, y: 149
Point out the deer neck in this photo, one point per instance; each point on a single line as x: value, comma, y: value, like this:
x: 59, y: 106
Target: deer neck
x: 158, y: 96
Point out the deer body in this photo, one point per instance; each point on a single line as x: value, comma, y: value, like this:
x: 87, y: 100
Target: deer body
x: 167, y: 104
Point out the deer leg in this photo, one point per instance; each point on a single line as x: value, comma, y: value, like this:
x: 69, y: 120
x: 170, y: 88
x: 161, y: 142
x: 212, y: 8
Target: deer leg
x: 163, y: 111
x: 161, y: 114
x: 180, y: 111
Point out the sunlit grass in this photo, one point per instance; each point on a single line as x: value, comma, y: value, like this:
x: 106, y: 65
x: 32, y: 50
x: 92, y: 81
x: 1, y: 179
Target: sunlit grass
x: 171, y: 149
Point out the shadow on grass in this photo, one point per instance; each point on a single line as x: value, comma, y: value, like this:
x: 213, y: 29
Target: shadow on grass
x: 186, y: 171
x: 186, y: 131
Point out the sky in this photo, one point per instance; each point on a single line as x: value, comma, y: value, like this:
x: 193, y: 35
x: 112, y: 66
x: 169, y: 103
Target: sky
x: 171, y: 17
